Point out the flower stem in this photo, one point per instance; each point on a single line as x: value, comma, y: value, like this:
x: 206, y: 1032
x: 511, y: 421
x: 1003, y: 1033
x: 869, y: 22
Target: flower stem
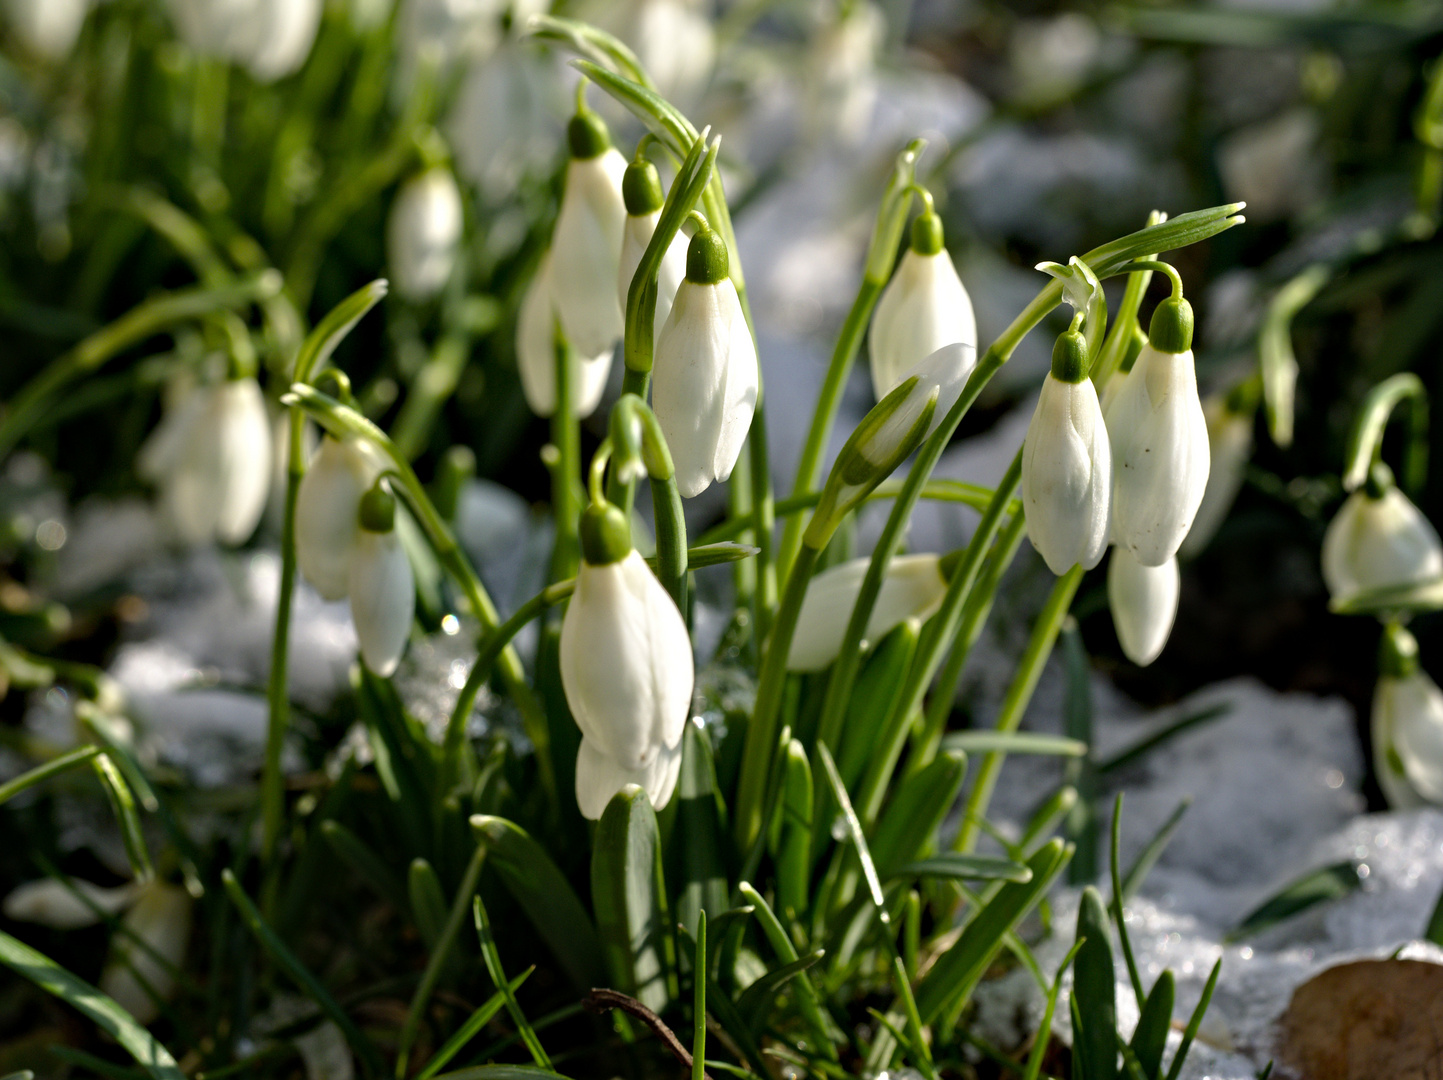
x: 1019, y: 695
x: 566, y: 468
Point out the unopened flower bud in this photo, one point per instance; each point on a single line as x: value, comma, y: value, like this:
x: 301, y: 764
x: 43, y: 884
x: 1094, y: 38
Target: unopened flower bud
x: 912, y: 588
x: 381, y: 584
x: 1144, y: 604
x: 423, y: 234
x: 1230, y: 445
x: 587, y: 242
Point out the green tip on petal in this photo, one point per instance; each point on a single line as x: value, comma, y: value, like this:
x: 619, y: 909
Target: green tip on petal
x: 927, y: 236
x: 378, y: 510
x: 1069, y: 357
x: 1380, y: 480
x: 641, y: 188
x: 587, y: 135
x: 1398, y: 653
x: 1171, y: 327
x: 706, y: 258
x: 605, y: 534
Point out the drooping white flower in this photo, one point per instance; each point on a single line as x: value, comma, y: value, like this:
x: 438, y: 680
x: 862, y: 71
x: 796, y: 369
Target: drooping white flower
x: 626, y: 668
x: 161, y: 919
x: 1159, y: 439
x: 586, y: 245
x: 48, y: 28
x: 423, y: 234
x: 1230, y: 445
x: 211, y: 458
x: 912, y: 588
x: 271, y: 38
x: 536, y: 352
x: 52, y: 903
x: 705, y: 373
x: 1067, y: 465
x: 1379, y: 539
x: 923, y: 308
x: 1144, y: 604
x: 381, y: 584
x: 642, y: 189
x: 328, y: 508
x: 1407, y: 725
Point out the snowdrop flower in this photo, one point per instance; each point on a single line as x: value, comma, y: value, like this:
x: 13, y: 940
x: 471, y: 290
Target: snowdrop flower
x: 587, y: 242
x: 1230, y: 445
x: 211, y: 458
x: 642, y: 189
x: 705, y: 373
x: 423, y: 234
x: 161, y: 919
x: 328, y: 508
x: 923, y: 308
x: 380, y: 583
x: 48, y: 28
x: 1379, y: 539
x: 55, y: 904
x: 1144, y: 604
x: 1067, y: 464
x: 1407, y: 725
x: 1159, y: 442
x: 626, y: 668
x: 536, y: 352
x: 271, y: 38
x: 912, y: 588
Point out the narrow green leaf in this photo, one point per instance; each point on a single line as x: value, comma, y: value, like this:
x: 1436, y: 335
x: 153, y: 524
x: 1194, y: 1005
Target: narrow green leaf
x: 1150, y: 1038
x: 1045, y: 818
x: 628, y: 896
x: 251, y: 916
x: 1013, y: 742
x: 794, y: 861
x: 368, y: 866
x: 542, y: 892
x: 958, y: 970
x: 854, y: 828
x: 597, y: 45
x: 1316, y: 887
x: 321, y: 342
x: 1095, y: 991
x: 954, y: 865
x: 1080, y: 772
x: 498, y: 978
x: 123, y: 803
x: 1128, y: 754
x: 755, y: 1004
x: 1194, y: 1022
x: 808, y: 1002
x: 110, y: 1017
x: 97, y: 1065
x: 1434, y: 931
x: 699, y: 970
x: 908, y: 826
x: 1044, y: 1029
x: 473, y: 1025
x: 1147, y: 858
x: 11, y: 788
x: 879, y: 681
x: 502, y: 1072
x: 1115, y: 907
x: 428, y: 901
x: 697, y: 839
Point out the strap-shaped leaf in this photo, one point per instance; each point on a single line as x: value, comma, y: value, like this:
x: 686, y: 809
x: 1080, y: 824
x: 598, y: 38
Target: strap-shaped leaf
x: 755, y: 1004
x: 1094, y: 990
x: 908, y: 825
x: 953, y: 865
x: 697, y: 839
x: 428, y: 901
x: 794, y: 860
x: 1014, y: 742
x: 628, y: 896
x: 362, y: 858
x: 1150, y: 1038
x: 1316, y: 887
x: 541, y: 890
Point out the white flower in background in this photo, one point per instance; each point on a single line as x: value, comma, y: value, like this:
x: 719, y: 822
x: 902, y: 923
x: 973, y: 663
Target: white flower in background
x: 280, y: 463
x: 48, y: 28
x: 211, y: 458
x: 271, y: 38
x: 705, y: 374
x: 1144, y: 604
x: 676, y: 45
x: 161, y: 919
x: 641, y: 187
x: 923, y: 308
x: 912, y: 588
x: 586, y: 246
x: 536, y: 352
x: 423, y: 234
x: 328, y: 508
x: 1159, y: 437
x: 52, y: 903
x: 626, y: 668
x: 1067, y: 464
x: 1230, y: 446
x: 1407, y: 725
x: 505, y: 123
x: 443, y: 34
x: 1379, y: 539
x: 842, y: 82
x: 381, y: 584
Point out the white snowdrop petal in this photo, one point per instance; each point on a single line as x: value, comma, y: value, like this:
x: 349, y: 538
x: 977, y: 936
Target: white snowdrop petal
x: 923, y: 308
x: 536, y: 356
x: 47, y: 27
x: 422, y: 234
x: 1160, y: 455
x: 1230, y: 446
x: 52, y: 903
x: 599, y: 777
x: 244, y: 435
x: 1390, y: 699
x: 1375, y: 543
x: 587, y: 250
x: 382, y: 588
x: 1144, y: 604
x: 636, y: 237
x: 912, y: 588
x: 1067, y: 476
x: 1417, y: 725
x: 326, y: 507
x: 161, y: 919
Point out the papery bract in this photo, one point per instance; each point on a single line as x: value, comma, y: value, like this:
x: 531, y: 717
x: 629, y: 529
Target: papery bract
x: 327, y: 504
x: 1144, y: 604
x: 912, y: 588
x: 536, y: 352
x: 423, y: 233
x: 1379, y: 539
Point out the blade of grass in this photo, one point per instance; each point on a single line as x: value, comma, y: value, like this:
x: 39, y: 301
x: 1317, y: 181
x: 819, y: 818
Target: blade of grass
x: 1115, y: 907
x: 11, y: 788
x: 473, y: 1025
x: 1044, y: 1030
x: 498, y: 976
x: 122, y: 802
x: 1194, y: 1022
x: 1147, y: 858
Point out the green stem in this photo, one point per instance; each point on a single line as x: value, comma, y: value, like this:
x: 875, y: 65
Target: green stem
x: 1365, y: 440
x: 566, y: 468
x: 140, y: 322
x: 1019, y: 695
x: 14, y: 787
x: 974, y: 616
x: 1114, y: 347
x: 764, y: 515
